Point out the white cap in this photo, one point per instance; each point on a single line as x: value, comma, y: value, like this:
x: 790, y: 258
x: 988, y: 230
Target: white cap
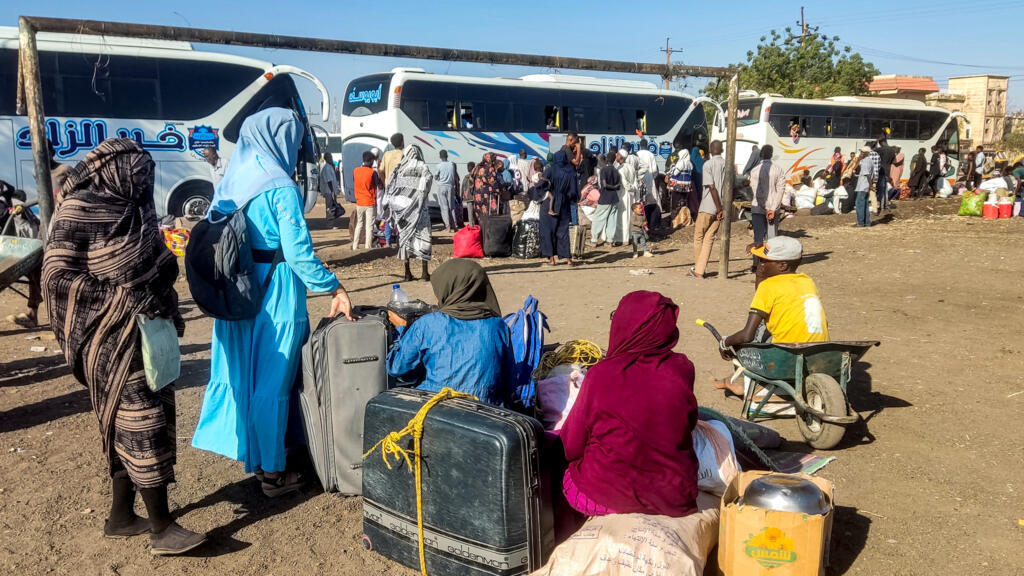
x: 780, y: 249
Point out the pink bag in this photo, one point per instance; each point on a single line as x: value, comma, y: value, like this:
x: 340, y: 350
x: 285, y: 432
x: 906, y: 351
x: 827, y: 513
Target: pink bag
x: 468, y: 243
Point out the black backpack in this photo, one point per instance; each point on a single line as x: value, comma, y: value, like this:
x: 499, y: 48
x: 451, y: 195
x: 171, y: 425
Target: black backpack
x: 220, y: 265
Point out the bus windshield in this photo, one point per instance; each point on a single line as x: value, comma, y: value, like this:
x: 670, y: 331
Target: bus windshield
x: 748, y: 112
x: 367, y: 95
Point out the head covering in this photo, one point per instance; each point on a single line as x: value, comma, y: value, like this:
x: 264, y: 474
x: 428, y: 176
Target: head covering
x: 105, y: 264
x: 779, y: 249
x: 628, y: 438
x: 865, y: 149
x: 463, y: 290
x: 405, y: 205
x: 264, y: 159
x: 644, y: 327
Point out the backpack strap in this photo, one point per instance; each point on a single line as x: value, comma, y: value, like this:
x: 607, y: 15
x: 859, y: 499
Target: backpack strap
x: 272, y: 257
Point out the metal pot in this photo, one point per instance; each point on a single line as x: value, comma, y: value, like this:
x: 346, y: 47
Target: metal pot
x: 786, y: 493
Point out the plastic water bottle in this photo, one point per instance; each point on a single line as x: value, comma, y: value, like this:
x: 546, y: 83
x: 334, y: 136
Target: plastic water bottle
x: 398, y: 297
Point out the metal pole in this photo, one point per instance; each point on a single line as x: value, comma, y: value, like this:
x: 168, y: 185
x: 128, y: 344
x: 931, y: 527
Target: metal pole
x: 36, y: 122
x: 730, y: 167
x: 206, y: 36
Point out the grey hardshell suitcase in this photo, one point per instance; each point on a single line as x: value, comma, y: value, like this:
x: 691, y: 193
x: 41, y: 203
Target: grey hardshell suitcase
x: 344, y: 365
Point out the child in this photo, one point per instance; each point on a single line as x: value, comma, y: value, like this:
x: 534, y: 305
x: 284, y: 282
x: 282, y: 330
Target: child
x: 638, y: 230
x: 366, y: 182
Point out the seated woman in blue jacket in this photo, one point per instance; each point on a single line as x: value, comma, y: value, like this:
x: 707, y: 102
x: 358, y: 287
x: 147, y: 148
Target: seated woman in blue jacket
x: 465, y: 346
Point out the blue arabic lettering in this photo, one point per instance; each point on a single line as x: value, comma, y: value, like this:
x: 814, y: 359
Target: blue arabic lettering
x: 167, y: 139
x: 366, y: 96
x: 77, y: 135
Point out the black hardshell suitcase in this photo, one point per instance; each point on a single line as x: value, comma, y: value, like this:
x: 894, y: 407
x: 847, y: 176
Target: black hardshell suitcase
x: 344, y: 365
x: 486, y: 502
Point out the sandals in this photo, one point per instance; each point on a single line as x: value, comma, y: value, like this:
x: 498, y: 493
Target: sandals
x: 691, y: 272
x: 286, y: 483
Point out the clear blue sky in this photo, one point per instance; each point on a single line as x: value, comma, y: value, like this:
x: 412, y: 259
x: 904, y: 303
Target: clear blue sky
x: 939, y: 38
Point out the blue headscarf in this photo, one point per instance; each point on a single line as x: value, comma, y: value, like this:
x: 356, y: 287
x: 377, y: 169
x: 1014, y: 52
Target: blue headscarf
x: 506, y: 174
x: 264, y: 159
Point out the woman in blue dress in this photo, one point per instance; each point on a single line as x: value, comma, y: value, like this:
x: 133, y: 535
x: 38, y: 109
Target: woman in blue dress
x: 253, y: 363
x: 465, y: 345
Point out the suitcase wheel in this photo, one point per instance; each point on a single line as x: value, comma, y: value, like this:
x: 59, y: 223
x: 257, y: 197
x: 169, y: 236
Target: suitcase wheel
x: 367, y: 545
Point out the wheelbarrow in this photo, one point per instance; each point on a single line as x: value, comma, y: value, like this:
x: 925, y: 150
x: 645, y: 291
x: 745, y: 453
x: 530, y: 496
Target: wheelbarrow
x: 18, y: 255
x: 811, y: 377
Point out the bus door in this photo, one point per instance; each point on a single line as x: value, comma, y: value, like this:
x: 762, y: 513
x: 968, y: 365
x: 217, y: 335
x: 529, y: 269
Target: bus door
x: 8, y: 163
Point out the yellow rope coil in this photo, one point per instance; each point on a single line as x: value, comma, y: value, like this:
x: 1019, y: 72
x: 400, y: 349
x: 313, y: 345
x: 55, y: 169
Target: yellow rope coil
x: 581, y: 352
x: 390, y: 446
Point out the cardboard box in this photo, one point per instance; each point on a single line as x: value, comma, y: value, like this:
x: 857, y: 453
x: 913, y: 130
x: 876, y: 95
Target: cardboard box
x: 754, y: 541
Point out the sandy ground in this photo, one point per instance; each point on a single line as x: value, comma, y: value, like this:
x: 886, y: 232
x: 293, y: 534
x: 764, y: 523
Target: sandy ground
x: 932, y: 484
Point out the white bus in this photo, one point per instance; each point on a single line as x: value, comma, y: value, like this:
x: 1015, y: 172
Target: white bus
x: 471, y: 116
x: 171, y: 99
x: 846, y: 122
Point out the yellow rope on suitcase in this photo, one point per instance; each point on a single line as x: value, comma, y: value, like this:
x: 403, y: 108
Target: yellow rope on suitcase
x: 389, y: 446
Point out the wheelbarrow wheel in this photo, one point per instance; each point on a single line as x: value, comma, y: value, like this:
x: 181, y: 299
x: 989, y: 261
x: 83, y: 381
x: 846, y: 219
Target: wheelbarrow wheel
x: 822, y: 393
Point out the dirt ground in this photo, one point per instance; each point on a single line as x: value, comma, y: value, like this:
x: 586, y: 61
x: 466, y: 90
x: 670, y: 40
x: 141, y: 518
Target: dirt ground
x: 932, y: 484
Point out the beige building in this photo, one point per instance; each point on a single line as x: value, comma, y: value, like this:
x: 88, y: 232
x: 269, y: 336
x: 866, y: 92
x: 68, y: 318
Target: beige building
x: 1014, y: 123
x: 984, y: 105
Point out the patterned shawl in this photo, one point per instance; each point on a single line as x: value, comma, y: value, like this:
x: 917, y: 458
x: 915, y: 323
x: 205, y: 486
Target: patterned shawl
x: 405, y: 205
x: 105, y: 263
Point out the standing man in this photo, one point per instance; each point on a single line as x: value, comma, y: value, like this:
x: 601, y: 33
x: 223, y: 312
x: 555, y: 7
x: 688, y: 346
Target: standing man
x: 710, y: 212
x: 886, y: 156
x: 392, y: 158
x: 648, y: 170
x: 366, y: 185
x: 768, y: 182
x: 979, y: 166
x: 866, y: 181
x: 329, y: 187
x: 446, y: 181
x: 217, y: 165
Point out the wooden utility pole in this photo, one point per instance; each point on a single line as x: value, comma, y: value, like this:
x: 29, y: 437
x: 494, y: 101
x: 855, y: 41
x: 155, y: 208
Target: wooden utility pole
x: 730, y: 175
x: 32, y: 99
x: 667, y: 76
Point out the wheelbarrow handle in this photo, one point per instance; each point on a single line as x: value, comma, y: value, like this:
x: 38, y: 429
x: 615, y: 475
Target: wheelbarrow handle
x: 728, y: 350
x: 710, y: 329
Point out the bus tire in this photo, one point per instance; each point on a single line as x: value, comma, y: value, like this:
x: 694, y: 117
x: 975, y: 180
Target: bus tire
x: 191, y: 200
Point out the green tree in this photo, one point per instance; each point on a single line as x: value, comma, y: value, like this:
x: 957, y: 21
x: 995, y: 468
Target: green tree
x: 810, y: 67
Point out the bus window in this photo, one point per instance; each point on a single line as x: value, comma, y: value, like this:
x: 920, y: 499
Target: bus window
x: 641, y: 121
x: 466, y: 119
x: 929, y: 123
x: 552, y: 118
x: 814, y: 126
x: 499, y: 116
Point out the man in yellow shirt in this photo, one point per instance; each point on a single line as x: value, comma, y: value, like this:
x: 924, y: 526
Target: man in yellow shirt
x: 786, y: 307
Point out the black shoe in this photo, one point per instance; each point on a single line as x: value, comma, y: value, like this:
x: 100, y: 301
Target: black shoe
x: 135, y: 527
x: 174, y: 540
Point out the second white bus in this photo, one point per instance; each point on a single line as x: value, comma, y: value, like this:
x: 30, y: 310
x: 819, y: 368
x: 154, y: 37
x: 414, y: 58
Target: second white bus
x: 470, y: 116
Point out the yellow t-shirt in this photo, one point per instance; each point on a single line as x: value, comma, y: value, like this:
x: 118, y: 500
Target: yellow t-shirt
x: 791, y: 304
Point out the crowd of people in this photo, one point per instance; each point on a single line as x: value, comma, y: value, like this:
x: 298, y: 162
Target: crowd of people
x: 107, y: 266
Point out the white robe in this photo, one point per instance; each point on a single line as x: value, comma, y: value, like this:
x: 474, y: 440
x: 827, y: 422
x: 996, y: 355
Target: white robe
x: 627, y: 196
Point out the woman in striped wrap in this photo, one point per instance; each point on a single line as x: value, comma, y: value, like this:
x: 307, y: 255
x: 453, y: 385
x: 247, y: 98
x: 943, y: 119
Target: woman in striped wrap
x: 105, y: 264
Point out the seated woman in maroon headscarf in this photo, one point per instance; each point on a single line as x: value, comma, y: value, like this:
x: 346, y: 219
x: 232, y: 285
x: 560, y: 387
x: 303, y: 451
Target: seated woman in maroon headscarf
x: 628, y: 438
